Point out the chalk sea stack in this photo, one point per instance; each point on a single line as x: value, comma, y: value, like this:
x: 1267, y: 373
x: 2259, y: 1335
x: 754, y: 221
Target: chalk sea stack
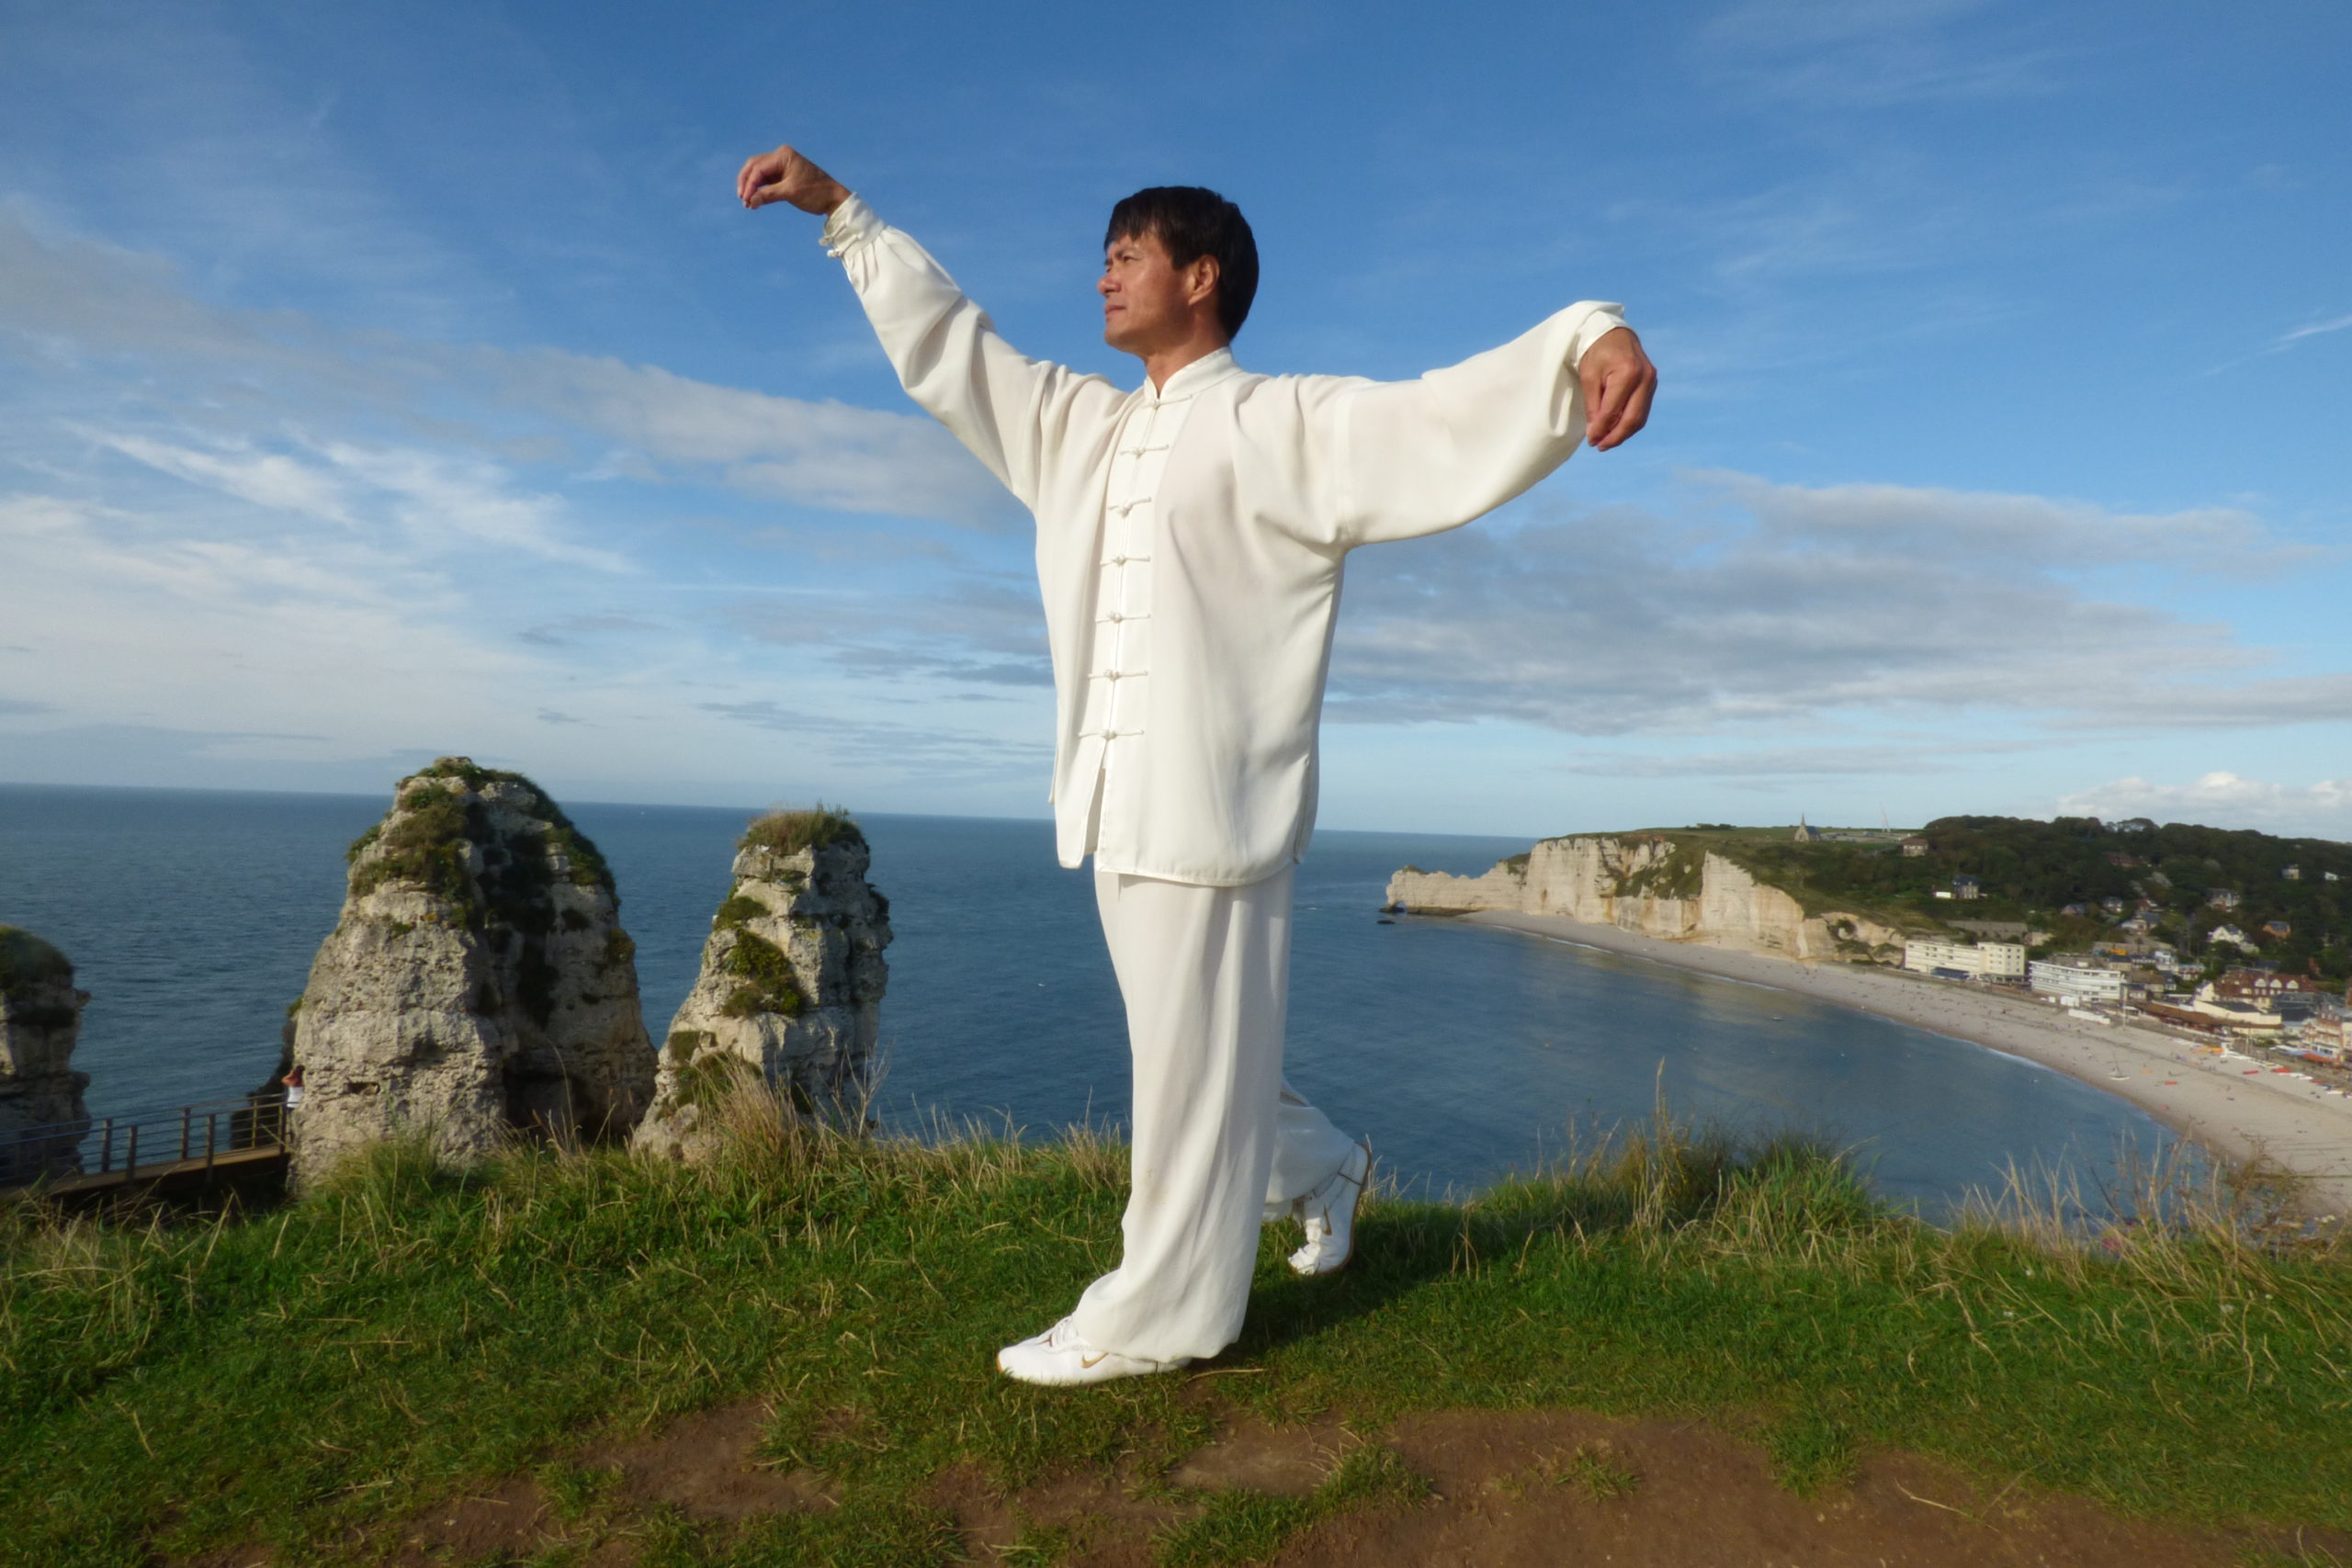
x: 41, y: 1019
x: 790, y: 988
x: 477, y: 985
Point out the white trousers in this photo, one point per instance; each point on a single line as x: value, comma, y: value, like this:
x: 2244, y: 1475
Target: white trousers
x: 1220, y: 1142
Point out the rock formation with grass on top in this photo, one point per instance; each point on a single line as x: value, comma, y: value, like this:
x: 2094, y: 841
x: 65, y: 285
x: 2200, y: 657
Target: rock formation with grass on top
x: 479, y: 984
x: 790, y: 988
x: 41, y: 1019
x: 1652, y: 885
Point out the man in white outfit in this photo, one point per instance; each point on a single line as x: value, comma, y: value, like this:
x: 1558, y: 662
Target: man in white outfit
x: 1190, y: 536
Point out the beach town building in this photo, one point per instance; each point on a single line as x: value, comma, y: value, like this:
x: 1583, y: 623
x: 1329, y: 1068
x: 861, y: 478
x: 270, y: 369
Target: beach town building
x: 2001, y: 930
x: 2075, y: 983
x: 2244, y: 1017
x: 2180, y: 1017
x: 1967, y: 886
x: 1976, y: 960
x: 2291, y: 873
x: 1915, y: 846
x: 2277, y: 929
x: 2223, y: 898
x: 2255, y: 1002
x: 2261, y: 987
x: 2328, y: 1031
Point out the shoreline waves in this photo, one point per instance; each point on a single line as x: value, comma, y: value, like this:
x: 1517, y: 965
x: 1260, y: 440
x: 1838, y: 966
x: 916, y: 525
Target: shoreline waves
x: 2233, y: 1105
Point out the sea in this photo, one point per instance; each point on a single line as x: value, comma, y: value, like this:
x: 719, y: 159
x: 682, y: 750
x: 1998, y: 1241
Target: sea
x: 1465, y: 1054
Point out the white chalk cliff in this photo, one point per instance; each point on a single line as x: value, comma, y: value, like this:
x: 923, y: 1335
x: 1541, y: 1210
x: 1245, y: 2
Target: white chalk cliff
x: 477, y: 985
x: 790, y: 988
x: 1652, y: 885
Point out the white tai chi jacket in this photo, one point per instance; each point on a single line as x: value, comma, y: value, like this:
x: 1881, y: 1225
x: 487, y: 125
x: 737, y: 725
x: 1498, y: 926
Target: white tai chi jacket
x: 1269, y: 484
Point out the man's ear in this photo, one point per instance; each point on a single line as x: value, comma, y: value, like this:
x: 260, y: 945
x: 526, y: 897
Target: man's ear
x: 1200, y: 279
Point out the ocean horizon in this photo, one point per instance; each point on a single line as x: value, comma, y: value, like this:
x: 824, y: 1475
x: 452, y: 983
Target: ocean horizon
x: 1464, y: 1053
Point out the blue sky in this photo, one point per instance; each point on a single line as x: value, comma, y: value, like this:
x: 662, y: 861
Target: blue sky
x: 379, y: 382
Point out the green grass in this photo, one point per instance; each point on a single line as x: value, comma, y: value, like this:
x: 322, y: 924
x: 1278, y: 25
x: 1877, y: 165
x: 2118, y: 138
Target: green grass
x: 25, y: 961
x: 788, y: 831
x: 309, y: 1375
x: 1235, y: 1525
x: 769, y: 982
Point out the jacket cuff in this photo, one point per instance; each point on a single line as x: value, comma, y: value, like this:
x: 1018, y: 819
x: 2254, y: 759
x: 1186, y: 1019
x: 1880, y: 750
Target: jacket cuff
x: 1603, y: 319
x: 851, y: 224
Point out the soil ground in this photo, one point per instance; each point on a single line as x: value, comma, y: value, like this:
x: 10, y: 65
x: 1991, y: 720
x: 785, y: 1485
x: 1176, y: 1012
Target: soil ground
x: 1509, y: 1489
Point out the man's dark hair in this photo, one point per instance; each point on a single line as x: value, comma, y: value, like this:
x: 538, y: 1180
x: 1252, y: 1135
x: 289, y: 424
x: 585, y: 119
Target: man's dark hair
x: 1190, y: 223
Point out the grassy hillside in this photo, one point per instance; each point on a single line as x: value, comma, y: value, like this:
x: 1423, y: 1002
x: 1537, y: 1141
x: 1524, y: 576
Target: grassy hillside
x: 315, y: 1378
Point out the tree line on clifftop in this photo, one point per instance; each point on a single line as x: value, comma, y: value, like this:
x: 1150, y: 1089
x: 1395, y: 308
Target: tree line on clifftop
x: 2034, y: 871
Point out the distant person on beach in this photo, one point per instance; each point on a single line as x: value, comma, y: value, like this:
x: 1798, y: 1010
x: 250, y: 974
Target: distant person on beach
x: 1190, y: 540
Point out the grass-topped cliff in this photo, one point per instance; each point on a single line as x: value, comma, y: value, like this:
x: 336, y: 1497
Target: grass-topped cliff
x: 2031, y: 870
x: 332, y: 1379
x: 1823, y: 878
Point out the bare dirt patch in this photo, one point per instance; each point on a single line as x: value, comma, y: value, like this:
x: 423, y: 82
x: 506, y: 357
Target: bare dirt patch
x: 511, y: 1517
x: 1516, y: 1488
x: 1285, y: 1461
x: 707, y: 1465
x: 1099, y: 1519
x: 1512, y: 1489
x: 1538, y: 1489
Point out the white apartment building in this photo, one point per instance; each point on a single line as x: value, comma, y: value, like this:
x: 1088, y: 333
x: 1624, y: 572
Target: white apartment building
x: 1983, y: 959
x: 2076, y: 985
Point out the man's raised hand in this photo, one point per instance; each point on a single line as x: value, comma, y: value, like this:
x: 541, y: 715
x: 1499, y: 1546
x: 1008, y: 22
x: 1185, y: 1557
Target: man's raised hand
x: 1618, y: 381
x: 785, y: 176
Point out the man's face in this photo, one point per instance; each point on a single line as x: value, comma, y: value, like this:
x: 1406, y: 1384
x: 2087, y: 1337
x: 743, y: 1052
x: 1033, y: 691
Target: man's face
x: 1148, y: 302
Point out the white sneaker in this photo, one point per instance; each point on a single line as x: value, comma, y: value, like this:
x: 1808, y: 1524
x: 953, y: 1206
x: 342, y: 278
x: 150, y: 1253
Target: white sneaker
x: 1059, y: 1358
x: 1330, y: 1215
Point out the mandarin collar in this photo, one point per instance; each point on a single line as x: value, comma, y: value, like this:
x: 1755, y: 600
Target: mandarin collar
x: 1210, y: 368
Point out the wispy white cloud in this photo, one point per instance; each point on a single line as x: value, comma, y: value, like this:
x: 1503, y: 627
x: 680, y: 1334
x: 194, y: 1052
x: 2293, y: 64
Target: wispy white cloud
x: 570, y: 629
x: 1771, y: 605
x: 2313, y: 328
x: 272, y: 479
x: 443, y: 501
x: 983, y: 631
x: 824, y: 454
x: 1786, y: 762
x: 2321, y: 808
x: 1871, y: 54
x: 66, y: 300
x: 132, y: 623
x: 1975, y: 530
x: 933, y: 751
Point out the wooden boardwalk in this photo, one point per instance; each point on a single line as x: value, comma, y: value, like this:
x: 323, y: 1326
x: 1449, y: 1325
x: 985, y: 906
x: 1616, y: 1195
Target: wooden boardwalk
x: 70, y: 1159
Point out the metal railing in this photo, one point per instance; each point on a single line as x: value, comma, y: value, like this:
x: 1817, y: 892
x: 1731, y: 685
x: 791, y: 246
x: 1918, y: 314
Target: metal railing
x: 188, y: 1137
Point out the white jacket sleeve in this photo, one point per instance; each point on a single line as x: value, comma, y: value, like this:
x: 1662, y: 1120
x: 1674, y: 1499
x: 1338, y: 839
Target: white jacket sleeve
x: 1413, y: 457
x: 1008, y: 409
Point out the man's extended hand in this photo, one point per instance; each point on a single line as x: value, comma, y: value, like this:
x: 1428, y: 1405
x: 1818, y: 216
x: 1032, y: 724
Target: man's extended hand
x: 1618, y: 381
x: 785, y: 176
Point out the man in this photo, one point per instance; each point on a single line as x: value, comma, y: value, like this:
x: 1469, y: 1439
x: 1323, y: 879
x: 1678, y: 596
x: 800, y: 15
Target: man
x: 1190, y: 540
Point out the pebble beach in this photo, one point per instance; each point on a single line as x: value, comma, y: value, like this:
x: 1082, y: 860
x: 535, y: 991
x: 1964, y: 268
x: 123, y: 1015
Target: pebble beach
x: 2240, y: 1106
